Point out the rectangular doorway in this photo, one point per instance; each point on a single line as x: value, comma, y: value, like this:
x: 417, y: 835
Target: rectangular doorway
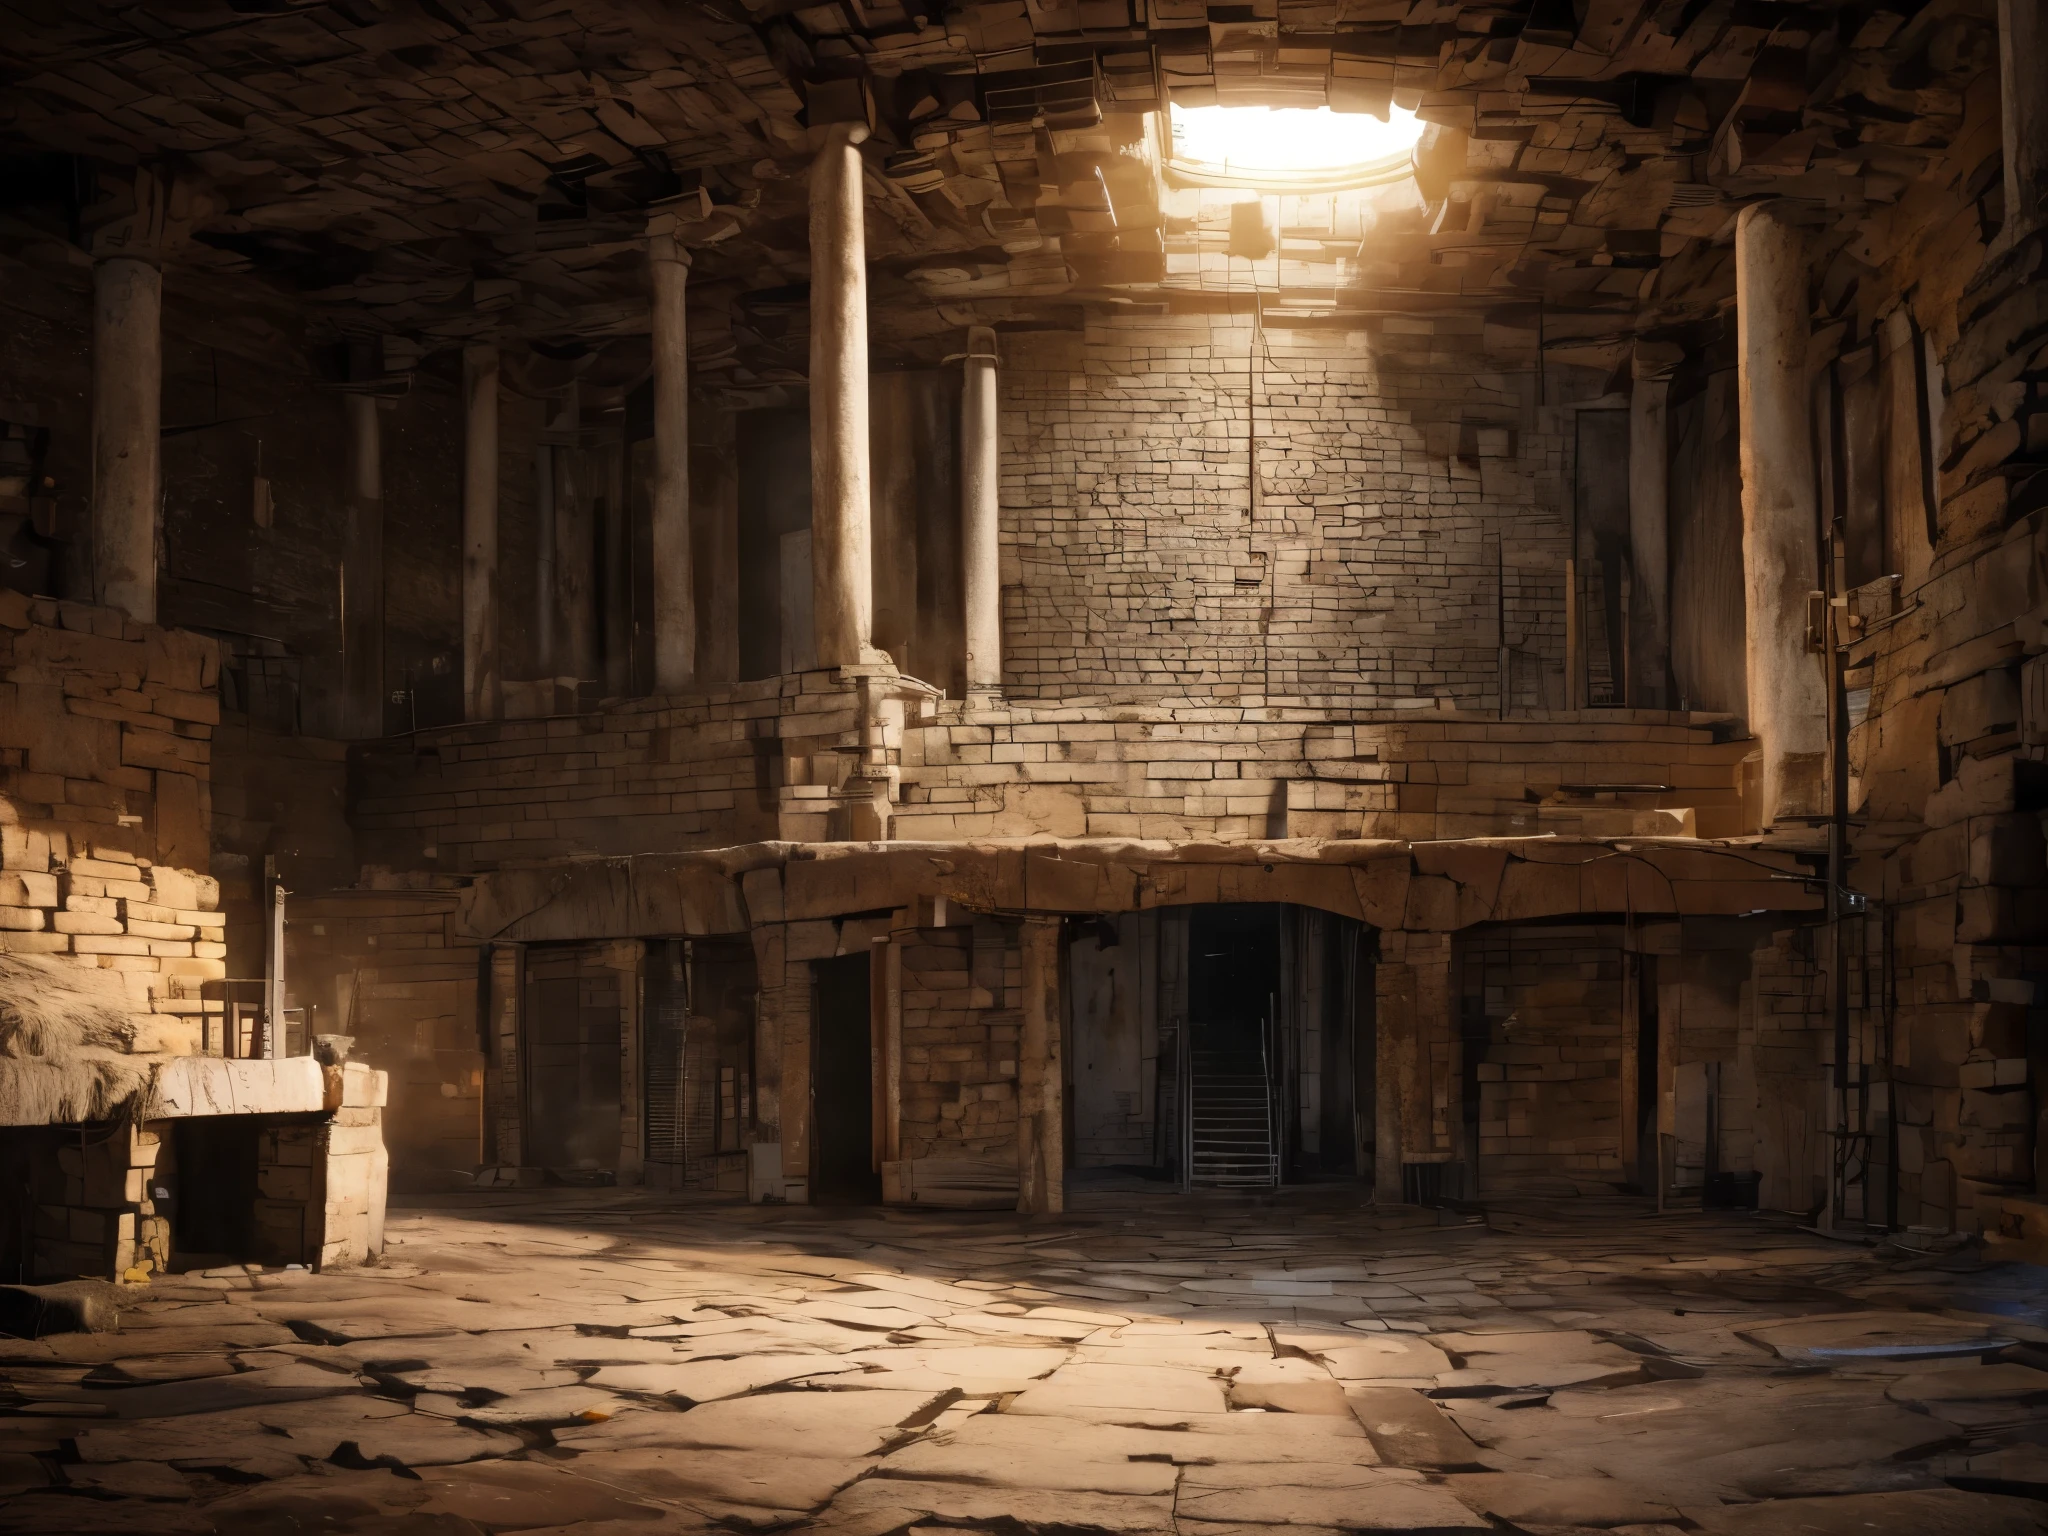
x: 843, y: 1167
x: 570, y: 1038
x: 1234, y: 1114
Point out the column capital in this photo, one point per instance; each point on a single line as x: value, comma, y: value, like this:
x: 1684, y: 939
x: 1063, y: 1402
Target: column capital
x: 667, y: 223
x: 981, y: 343
x: 144, y: 215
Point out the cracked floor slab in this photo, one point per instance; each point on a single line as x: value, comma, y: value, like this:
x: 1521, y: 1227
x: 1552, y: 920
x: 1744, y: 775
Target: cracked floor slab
x: 605, y: 1362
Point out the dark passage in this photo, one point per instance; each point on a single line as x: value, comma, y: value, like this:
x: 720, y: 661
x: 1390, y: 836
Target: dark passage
x: 843, y: 1170
x: 572, y: 1062
x: 1233, y: 990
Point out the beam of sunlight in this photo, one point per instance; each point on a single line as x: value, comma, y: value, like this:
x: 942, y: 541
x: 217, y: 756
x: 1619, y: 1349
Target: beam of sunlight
x: 1264, y: 141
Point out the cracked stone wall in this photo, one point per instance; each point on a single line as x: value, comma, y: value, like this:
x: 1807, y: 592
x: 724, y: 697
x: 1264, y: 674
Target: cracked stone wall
x: 1405, y: 523
x: 1549, y: 1077
x: 960, y: 1028
x: 1942, y: 379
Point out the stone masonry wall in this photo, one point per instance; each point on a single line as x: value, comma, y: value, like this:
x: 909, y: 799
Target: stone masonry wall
x: 105, y: 756
x: 960, y: 1042
x: 1947, y: 671
x: 1549, y: 1077
x: 765, y: 759
x: 1403, y: 506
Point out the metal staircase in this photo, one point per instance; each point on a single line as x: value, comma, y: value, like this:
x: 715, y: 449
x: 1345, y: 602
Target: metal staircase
x: 1230, y: 1128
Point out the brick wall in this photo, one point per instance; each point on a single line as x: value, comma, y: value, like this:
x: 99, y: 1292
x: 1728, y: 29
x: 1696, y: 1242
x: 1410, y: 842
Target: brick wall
x: 765, y: 760
x: 105, y: 759
x: 1549, y: 1076
x: 960, y: 1042
x: 1404, y: 505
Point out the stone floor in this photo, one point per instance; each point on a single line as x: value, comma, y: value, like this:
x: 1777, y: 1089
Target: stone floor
x: 612, y: 1364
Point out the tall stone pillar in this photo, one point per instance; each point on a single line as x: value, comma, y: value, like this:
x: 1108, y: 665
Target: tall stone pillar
x: 980, y: 466
x: 362, y: 557
x: 1041, y: 1076
x: 1649, y: 538
x: 675, y: 614
x: 2022, y: 54
x: 481, y: 673
x: 127, y: 433
x: 842, y: 570
x: 1780, y: 535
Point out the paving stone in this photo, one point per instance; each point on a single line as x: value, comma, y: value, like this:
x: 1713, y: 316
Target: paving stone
x: 995, y: 1450
x: 705, y: 1381
x: 823, y: 1423
x: 878, y: 1505
x: 520, y: 1495
x: 129, y: 1479
x: 2004, y: 1381
x: 1323, y: 1494
x: 1524, y: 1499
x: 776, y: 1481
x: 1129, y: 1420
x: 1408, y: 1430
x: 1873, y: 1335
x: 1536, y: 1360
x: 974, y: 1369
x: 1093, y: 1387
x: 1933, y: 1512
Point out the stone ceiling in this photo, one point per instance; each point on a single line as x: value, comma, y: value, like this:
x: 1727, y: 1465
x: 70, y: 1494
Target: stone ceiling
x: 436, y: 170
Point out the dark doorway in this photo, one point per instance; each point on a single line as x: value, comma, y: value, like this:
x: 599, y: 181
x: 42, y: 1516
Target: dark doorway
x: 213, y: 1208
x: 1234, y: 1115
x: 699, y: 1062
x: 571, y: 1037
x: 1233, y: 975
x: 843, y: 1170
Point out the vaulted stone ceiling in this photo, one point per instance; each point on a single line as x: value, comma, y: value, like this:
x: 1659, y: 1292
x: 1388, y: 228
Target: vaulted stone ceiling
x: 436, y: 170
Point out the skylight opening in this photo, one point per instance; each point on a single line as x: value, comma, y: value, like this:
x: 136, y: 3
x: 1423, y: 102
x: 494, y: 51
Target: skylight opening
x: 1291, y: 148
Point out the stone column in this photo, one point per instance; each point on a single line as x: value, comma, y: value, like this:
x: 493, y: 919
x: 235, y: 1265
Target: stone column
x: 675, y: 615
x: 362, y: 558
x: 1780, y: 556
x: 980, y: 465
x: 1649, y: 538
x: 480, y: 669
x: 1041, y: 1077
x: 2022, y: 32
x: 842, y: 570
x: 127, y: 433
